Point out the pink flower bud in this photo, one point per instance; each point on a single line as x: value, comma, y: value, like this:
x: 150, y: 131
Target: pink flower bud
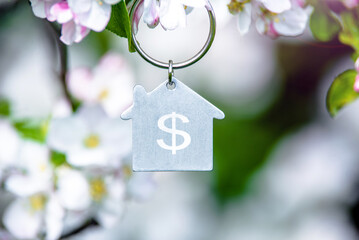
x: 356, y: 83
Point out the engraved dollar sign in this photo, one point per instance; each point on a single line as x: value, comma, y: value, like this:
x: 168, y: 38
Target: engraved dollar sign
x: 174, y: 132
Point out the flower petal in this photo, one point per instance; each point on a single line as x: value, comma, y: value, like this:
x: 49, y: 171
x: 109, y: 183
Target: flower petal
x: 245, y: 19
x: 54, y: 219
x: 88, y: 157
x: 276, y: 6
x: 151, y: 13
x: 20, y: 221
x: 24, y: 186
x: 80, y: 6
x: 91, y: 115
x: 61, y: 12
x: 172, y: 14
x: 79, y: 82
x: 66, y: 134
x: 97, y: 17
x: 72, y: 32
x: 38, y: 7
x: 292, y: 22
x: 73, y: 190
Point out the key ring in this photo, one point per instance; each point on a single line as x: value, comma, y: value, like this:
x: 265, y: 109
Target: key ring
x: 178, y: 65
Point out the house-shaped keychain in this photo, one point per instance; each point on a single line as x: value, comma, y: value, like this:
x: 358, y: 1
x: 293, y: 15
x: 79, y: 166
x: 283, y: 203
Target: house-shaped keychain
x: 172, y: 129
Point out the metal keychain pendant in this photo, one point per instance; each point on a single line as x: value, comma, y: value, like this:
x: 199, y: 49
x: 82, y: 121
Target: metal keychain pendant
x: 172, y: 127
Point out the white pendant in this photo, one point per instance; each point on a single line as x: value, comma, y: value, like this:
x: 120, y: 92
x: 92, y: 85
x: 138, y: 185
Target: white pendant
x: 172, y: 129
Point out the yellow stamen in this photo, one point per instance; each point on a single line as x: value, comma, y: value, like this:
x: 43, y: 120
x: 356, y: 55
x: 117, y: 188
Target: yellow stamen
x: 127, y: 171
x: 42, y: 167
x: 37, y: 202
x: 97, y: 189
x: 103, y: 94
x: 235, y: 7
x: 92, y: 141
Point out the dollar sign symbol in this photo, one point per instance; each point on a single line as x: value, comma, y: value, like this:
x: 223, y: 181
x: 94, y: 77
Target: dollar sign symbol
x: 174, y: 132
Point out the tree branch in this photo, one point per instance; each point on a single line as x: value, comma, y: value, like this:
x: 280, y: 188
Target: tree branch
x: 61, y: 49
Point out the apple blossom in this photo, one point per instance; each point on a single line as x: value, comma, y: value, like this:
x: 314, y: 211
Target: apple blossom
x: 173, y: 12
x: 244, y: 10
x: 109, y: 84
x: 151, y: 13
x: 24, y: 217
x: 102, y: 195
x: 90, y: 138
x: 36, y: 203
x: 35, y: 173
x: 288, y: 23
x: 77, y: 17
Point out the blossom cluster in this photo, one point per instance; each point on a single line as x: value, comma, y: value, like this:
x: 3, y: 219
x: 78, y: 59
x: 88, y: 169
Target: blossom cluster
x: 272, y: 17
x: 77, y: 17
x: 171, y: 14
x: 81, y: 170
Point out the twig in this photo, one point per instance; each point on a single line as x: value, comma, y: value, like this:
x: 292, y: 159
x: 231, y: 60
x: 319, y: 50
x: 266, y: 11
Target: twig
x: 62, y: 51
x: 90, y: 223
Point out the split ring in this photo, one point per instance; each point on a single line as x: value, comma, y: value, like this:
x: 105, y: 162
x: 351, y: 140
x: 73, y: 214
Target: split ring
x: 178, y: 65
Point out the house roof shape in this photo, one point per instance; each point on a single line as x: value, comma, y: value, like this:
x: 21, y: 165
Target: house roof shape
x: 140, y: 94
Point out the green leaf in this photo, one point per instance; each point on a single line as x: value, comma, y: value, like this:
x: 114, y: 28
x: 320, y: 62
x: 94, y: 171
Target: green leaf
x: 4, y: 108
x: 120, y: 23
x: 57, y: 158
x: 341, y: 92
x: 32, y: 130
x: 323, y: 24
x: 350, y: 33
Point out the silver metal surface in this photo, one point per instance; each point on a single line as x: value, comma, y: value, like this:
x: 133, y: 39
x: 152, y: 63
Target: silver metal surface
x: 194, y: 59
x: 172, y: 130
x: 170, y: 72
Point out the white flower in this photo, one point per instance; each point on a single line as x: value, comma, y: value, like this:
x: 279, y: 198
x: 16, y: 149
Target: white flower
x: 287, y: 23
x: 151, y: 14
x: 108, y: 194
x: 173, y: 12
x: 9, y: 145
x: 109, y: 84
x: 77, y: 17
x: 105, y: 195
x: 90, y: 138
x: 73, y: 190
x: 93, y: 14
x: 24, y: 218
x: 33, y: 186
x: 242, y: 8
x: 36, y: 171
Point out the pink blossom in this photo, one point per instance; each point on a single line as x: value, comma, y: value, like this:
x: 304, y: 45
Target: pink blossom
x: 109, y: 84
x: 356, y: 83
x: 350, y: 3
